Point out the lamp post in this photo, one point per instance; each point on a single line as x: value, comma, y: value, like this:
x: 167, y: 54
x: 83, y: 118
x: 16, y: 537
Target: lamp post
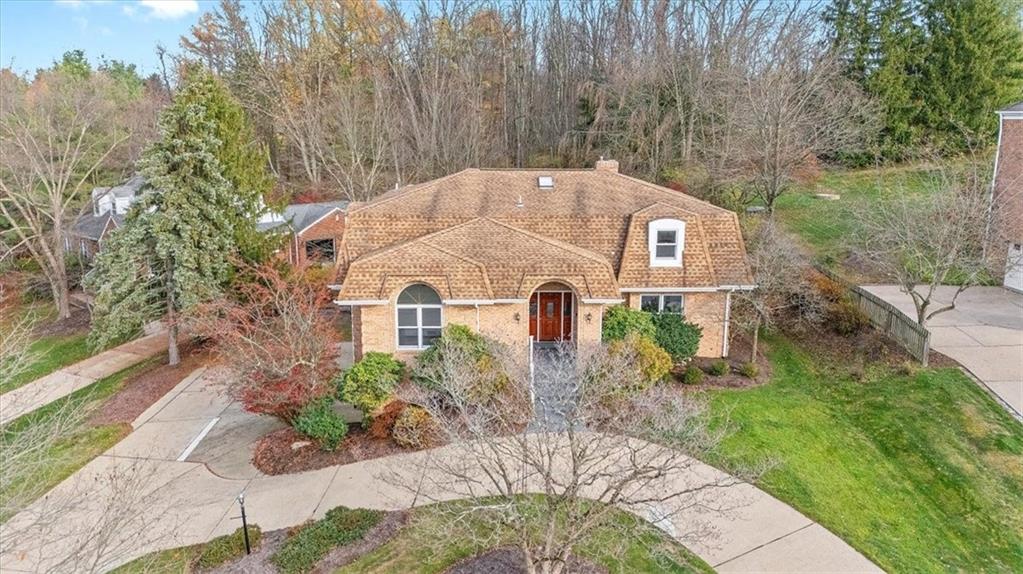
x: 245, y: 524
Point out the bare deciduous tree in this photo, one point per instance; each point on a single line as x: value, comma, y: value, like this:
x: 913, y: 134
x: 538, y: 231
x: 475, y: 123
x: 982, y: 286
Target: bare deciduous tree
x: 939, y: 236
x: 552, y: 475
x: 55, y: 134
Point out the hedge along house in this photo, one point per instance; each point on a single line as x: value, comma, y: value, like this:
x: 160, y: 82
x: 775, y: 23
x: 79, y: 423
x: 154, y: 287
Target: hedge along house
x: 520, y: 254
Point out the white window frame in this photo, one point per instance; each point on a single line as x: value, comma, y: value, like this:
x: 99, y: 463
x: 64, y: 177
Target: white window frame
x: 674, y: 225
x: 419, y: 346
x: 660, y: 301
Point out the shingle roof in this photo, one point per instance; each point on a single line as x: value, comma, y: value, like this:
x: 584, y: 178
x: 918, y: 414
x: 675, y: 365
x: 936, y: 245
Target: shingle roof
x: 91, y: 226
x: 601, y: 212
x: 302, y: 215
x: 480, y: 259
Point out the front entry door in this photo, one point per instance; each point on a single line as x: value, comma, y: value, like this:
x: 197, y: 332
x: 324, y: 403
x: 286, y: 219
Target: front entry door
x: 549, y: 317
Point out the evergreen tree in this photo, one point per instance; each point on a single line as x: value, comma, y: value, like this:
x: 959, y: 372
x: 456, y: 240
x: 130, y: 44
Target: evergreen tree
x: 894, y: 80
x: 974, y: 66
x: 174, y: 248
x: 243, y: 159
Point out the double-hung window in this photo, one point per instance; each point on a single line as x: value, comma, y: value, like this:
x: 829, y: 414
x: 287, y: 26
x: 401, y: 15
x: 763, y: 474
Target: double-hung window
x: 667, y: 238
x: 418, y: 317
x: 667, y: 303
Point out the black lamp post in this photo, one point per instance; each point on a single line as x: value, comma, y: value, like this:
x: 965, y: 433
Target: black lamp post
x: 245, y: 524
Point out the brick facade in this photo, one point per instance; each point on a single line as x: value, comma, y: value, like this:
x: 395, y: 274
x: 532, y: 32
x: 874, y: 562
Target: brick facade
x: 330, y: 227
x: 1008, y: 184
x: 706, y: 310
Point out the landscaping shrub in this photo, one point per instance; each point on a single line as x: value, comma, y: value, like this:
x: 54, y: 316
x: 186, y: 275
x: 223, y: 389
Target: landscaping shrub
x: 620, y: 320
x: 415, y: 428
x: 693, y: 375
x: 369, y: 383
x: 749, y: 370
x: 679, y: 338
x: 845, y: 317
x: 654, y: 363
x: 718, y: 368
x: 384, y: 419
x: 462, y: 341
x: 224, y: 549
x: 309, y: 545
x: 320, y: 422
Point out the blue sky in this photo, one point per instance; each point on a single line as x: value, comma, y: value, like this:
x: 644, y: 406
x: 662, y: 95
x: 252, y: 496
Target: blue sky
x: 34, y: 33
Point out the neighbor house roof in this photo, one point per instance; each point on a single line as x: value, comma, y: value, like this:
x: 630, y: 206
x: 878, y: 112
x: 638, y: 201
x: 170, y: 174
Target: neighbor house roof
x: 1017, y: 107
x: 93, y: 227
x: 301, y: 215
x: 481, y: 259
x: 604, y: 213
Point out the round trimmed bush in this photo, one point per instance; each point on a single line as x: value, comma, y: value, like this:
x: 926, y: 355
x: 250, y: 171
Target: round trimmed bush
x: 718, y: 368
x: 676, y: 336
x: 620, y: 321
x: 461, y: 341
x: 384, y: 419
x: 415, y: 428
x: 653, y: 362
x: 749, y: 370
x: 693, y: 375
x: 371, y: 381
x: 320, y: 422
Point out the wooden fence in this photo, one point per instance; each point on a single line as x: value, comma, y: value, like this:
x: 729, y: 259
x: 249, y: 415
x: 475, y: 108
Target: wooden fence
x: 888, y: 319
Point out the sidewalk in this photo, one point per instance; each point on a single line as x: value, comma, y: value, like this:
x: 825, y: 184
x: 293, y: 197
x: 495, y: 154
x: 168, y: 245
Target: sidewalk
x: 65, y: 381
x: 193, y: 447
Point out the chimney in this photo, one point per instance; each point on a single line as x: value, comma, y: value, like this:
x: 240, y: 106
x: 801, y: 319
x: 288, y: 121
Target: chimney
x: 607, y: 165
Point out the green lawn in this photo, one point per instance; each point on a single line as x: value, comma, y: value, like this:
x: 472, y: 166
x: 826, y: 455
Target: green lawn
x: 414, y: 549
x: 826, y: 226
x: 922, y: 473
x: 48, y: 355
x: 82, y: 443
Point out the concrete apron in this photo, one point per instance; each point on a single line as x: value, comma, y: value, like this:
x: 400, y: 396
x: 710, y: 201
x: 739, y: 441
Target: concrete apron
x: 171, y: 502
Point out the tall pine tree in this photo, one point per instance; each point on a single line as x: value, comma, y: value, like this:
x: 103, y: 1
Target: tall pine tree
x: 174, y: 248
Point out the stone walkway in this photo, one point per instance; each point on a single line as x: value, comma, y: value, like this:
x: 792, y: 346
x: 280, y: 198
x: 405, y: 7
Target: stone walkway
x: 191, y: 451
x: 984, y: 333
x: 65, y: 381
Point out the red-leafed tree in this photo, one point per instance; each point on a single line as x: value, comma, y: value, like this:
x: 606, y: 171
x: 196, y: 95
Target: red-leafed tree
x: 275, y: 336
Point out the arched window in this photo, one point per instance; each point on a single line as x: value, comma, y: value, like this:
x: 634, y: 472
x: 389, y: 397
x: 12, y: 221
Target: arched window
x: 418, y: 317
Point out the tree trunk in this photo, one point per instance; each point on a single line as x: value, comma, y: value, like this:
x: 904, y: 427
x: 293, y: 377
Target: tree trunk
x: 753, y: 343
x: 173, y: 356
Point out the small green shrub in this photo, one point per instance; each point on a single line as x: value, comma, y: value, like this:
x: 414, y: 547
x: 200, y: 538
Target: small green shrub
x: 461, y: 341
x: 309, y: 545
x: 415, y: 428
x: 319, y: 421
x: 693, y: 375
x: 369, y: 383
x: 224, y: 549
x: 653, y: 362
x: 679, y: 338
x: 718, y: 368
x: 749, y: 370
x: 845, y: 317
x: 620, y: 321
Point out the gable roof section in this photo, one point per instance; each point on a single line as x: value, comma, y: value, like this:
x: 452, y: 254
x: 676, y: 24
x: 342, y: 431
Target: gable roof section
x: 482, y: 259
x: 95, y: 227
x: 300, y: 216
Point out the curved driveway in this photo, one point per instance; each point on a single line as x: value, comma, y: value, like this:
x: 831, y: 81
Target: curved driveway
x: 735, y: 529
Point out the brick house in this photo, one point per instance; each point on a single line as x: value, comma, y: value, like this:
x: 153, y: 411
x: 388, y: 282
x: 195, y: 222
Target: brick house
x: 516, y: 254
x: 1007, y: 192
x: 105, y: 212
x: 314, y: 231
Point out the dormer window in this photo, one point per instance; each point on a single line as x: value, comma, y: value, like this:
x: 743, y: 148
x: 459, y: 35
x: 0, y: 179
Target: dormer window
x: 545, y: 182
x: 667, y: 240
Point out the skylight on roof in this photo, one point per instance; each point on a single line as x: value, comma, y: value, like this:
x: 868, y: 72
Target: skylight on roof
x: 545, y: 182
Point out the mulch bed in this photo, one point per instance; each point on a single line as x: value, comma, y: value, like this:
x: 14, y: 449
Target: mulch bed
x: 739, y: 351
x: 509, y: 560
x: 141, y: 390
x: 76, y: 324
x: 285, y: 451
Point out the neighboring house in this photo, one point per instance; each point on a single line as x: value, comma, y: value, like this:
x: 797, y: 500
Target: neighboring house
x: 1007, y: 192
x: 106, y: 210
x: 516, y: 254
x: 314, y: 230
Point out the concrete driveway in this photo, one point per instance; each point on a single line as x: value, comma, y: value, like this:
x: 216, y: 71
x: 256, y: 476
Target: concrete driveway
x: 984, y: 333
x: 190, y: 456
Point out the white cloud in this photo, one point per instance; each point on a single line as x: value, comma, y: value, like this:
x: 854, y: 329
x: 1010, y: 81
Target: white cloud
x: 167, y: 9
x: 76, y: 4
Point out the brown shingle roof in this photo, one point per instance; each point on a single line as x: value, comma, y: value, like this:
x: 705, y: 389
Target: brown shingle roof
x: 480, y: 259
x: 602, y: 213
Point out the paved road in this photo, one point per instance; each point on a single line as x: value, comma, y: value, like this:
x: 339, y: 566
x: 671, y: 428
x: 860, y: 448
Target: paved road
x: 984, y: 333
x: 65, y: 381
x: 188, y: 488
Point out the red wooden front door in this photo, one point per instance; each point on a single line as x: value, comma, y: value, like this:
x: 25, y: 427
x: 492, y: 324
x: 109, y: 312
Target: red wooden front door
x: 549, y: 319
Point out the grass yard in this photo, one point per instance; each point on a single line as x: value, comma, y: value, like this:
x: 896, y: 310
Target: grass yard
x: 826, y: 226
x: 84, y: 443
x: 921, y: 472
x: 48, y: 355
x: 414, y: 549
x: 206, y: 556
